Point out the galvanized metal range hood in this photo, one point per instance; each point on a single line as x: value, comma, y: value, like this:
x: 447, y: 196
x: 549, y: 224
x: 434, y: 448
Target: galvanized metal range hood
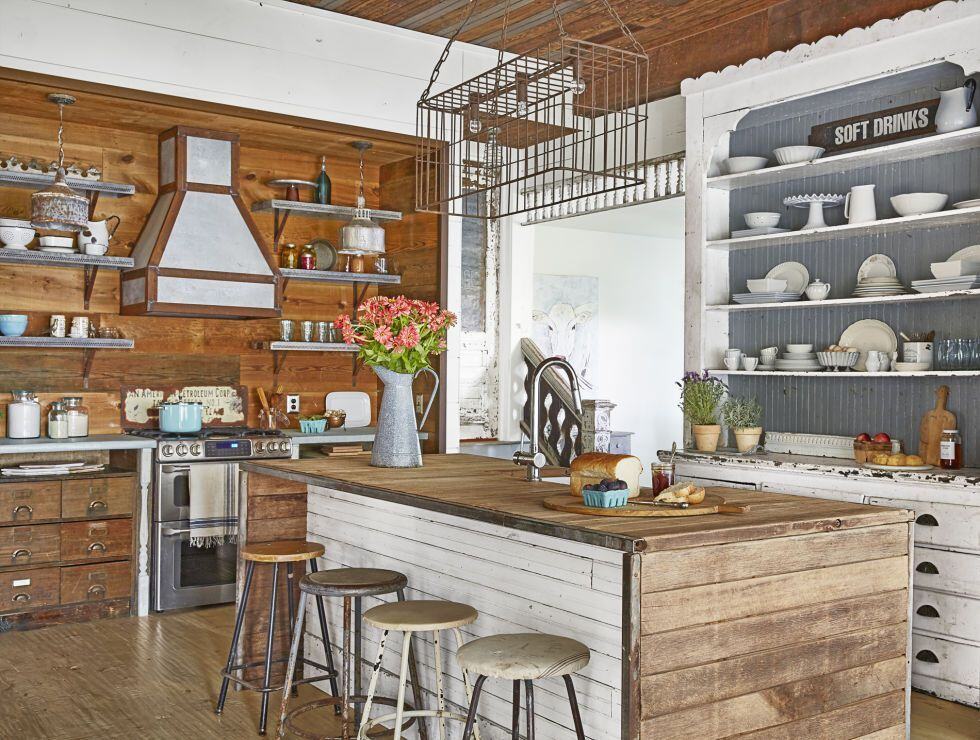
x: 199, y: 253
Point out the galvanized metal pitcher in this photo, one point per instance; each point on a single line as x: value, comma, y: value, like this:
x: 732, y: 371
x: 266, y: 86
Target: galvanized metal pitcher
x: 396, y: 443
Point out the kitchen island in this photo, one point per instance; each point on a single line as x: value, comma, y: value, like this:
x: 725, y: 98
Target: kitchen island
x: 791, y: 618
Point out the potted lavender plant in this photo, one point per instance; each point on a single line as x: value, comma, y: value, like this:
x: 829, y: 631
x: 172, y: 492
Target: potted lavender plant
x: 744, y: 417
x: 701, y: 396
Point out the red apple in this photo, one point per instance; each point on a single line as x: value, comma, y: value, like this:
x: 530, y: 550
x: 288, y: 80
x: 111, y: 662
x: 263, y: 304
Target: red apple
x: 863, y: 437
x: 881, y: 437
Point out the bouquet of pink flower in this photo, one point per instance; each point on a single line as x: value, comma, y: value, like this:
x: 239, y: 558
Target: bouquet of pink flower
x: 397, y: 333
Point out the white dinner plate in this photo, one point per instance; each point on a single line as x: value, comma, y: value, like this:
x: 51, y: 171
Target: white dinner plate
x: 967, y: 253
x: 874, y: 466
x: 866, y: 335
x: 357, y: 405
x: 797, y: 277
x: 967, y: 203
x: 876, y: 266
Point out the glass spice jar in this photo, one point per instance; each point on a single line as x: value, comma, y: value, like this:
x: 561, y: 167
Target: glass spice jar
x: 289, y: 257
x: 307, y: 257
x: 58, y: 421
x: 951, y: 450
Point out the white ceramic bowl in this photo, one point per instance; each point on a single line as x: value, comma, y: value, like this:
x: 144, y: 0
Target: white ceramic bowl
x: 838, y: 359
x: 57, y: 241
x: 759, y: 219
x: 21, y: 222
x: 766, y: 285
x: 16, y: 237
x: 799, y: 349
x: 910, y: 367
x: 734, y: 165
x: 914, y: 204
x: 954, y: 269
x: 796, y: 154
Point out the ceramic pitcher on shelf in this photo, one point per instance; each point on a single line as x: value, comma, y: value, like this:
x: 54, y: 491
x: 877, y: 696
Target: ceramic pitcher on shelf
x: 859, y: 205
x: 957, y: 108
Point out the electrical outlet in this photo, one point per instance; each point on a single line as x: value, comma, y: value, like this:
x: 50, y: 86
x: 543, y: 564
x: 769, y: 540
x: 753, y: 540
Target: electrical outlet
x: 292, y: 403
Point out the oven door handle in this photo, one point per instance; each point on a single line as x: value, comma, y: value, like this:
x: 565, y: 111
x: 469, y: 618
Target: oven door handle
x: 171, y: 532
x: 175, y: 468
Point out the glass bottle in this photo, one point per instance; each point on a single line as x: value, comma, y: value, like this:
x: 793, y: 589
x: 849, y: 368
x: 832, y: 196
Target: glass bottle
x: 77, y: 416
x: 323, y: 184
x: 307, y: 257
x: 58, y: 421
x: 289, y: 257
x: 951, y: 450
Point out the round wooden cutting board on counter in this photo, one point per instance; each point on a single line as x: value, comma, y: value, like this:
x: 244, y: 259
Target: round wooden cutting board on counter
x: 712, y: 504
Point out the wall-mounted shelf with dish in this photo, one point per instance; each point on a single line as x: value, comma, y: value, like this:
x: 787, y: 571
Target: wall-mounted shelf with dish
x: 279, y: 350
x: 91, y: 188
x: 88, y: 347
x: 87, y: 262
x: 281, y: 209
x: 830, y: 302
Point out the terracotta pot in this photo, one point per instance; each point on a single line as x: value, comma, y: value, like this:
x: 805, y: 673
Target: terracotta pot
x: 747, y: 438
x: 706, y: 437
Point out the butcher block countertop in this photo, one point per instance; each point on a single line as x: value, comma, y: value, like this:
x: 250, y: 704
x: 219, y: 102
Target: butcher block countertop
x: 495, y: 491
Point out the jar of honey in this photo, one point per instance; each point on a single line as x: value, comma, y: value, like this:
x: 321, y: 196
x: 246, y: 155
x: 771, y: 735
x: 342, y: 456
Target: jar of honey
x: 951, y: 450
x: 289, y: 257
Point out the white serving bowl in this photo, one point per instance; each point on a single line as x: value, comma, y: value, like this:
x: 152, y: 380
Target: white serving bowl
x: 799, y: 349
x: 766, y: 285
x: 57, y: 241
x: 910, y: 367
x: 796, y: 154
x: 915, y: 204
x: 838, y: 359
x: 734, y: 165
x: 760, y: 219
x: 21, y: 222
x: 954, y: 269
x: 16, y: 237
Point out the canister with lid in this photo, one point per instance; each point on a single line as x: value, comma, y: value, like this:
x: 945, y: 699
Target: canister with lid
x: 23, y: 416
x: 77, y: 416
x: 58, y: 421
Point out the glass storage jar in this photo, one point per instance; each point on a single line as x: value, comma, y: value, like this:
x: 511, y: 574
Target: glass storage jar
x: 23, y: 416
x: 289, y: 257
x: 307, y: 257
x: 58, y: 421
x: 77, y: 416
x: 951, y: 450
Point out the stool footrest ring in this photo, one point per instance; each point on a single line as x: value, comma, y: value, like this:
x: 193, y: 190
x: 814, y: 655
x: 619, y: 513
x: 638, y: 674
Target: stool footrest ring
x: 249, y: 685
x: 337, y: 701
x: 408, y: 714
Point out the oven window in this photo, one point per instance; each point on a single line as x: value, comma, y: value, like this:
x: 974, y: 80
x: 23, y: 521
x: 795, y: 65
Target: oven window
x: 181, y: 490
x: 205, y: 566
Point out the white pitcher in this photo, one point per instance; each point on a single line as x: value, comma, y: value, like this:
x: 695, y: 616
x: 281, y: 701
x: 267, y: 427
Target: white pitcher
x: 957, y: 108
x: 859, y: 205
x: 98, y: 232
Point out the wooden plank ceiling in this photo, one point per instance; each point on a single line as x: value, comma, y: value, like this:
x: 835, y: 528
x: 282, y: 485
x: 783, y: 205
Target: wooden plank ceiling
x: 684, y: 38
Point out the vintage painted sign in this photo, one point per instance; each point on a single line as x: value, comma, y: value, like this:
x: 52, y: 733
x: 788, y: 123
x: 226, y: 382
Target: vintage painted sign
x: 904, y: 121
x: 222, y: 405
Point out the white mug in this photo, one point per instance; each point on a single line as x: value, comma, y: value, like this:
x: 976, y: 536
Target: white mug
x: 79, y: 327
x: 96, y: 250
x: 732, y: 362
x: 57, y: 325
x: 917, y: 352
x: 859, y: 205
x: 750, y: 363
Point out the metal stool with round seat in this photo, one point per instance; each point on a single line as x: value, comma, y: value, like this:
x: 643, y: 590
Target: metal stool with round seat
x: 409, y: 617
x: 352, y: 585
x: 523, y: 657
x: 288, y: 552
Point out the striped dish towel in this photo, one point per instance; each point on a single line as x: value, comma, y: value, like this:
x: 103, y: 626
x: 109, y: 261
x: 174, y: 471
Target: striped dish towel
x: 214, y: 505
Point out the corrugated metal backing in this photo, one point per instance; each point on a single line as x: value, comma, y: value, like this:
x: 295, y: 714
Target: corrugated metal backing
x: 852, y: 405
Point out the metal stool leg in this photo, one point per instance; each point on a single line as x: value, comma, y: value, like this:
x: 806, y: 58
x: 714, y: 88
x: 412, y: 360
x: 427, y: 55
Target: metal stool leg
x: 515, y: 732
x: 573, y: 703
x: 471, y: 714
x: 402, y: 679
x: 414, y: 668
x: 291, y: 666
x: 239, y: 620
x: 266, y: 679
x: 325, y: 634
x: 440, y: 696
x: 529, y: 690
x: 373, y: 685
x: 358, y: 643
x: 345, y: 707
x: 466, y: 678
x: 292, y: 612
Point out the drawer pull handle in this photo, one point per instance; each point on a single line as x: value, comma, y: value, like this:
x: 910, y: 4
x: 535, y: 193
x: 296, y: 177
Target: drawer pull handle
x: 926, y: 656
x: 22, y: 597
x: 98, y: 504
x: 97, y: 591
x: 21, y: 553
x: 927, y: 520
x: 926, y: 567
x: 22, y: 508
x: 927, y: 610
x: 97, y: 547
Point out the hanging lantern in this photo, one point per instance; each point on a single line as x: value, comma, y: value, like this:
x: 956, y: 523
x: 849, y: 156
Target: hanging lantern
x: 561, y: 120
x: 58, y: 207
x: 362, y: 235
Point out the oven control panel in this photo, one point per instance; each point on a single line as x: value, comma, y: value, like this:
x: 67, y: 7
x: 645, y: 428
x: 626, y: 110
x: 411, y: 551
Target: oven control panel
x: 228, y: 448
x: 238, y: 448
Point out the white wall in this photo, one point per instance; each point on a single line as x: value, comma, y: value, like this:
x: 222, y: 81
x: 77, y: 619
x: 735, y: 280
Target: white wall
x: 641, y: 329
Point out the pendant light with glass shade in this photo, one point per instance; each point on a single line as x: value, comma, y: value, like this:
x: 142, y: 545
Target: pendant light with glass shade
x: 58, y: 207
x: 362, y: 235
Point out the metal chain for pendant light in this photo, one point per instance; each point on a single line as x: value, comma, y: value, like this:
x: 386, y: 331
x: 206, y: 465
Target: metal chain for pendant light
x: 561, y: 26
x: 61, y: 135
x: 445, y: 52
x: 623, y: 27
x: 360, y: 185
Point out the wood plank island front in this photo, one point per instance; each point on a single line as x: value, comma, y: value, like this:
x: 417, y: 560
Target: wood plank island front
x: 788, y: 620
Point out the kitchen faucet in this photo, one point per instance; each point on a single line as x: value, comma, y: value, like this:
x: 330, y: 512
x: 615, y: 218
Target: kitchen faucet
x: 534, y: 459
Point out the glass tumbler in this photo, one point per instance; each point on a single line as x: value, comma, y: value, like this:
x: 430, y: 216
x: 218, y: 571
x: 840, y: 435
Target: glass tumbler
x: 943, y: 350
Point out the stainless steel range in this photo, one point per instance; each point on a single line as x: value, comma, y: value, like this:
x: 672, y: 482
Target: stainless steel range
x: 183, y: 574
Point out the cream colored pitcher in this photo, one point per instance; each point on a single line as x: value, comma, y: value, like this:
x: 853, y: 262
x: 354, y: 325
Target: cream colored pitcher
x: 957, y: 108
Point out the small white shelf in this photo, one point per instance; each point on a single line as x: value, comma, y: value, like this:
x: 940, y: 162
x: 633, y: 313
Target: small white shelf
x: 899, y: 152
x: 41, y: 179
x: 907, y: 298
x: 883, y: 226
x: 850, y: 375
x: 319, y: 210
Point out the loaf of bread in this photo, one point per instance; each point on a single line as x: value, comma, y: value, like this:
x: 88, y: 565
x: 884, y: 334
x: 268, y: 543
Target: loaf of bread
x: 593, y: 467
x: 680, y: 492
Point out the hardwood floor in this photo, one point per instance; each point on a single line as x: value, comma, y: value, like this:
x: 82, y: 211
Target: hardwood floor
x: 158, y: 678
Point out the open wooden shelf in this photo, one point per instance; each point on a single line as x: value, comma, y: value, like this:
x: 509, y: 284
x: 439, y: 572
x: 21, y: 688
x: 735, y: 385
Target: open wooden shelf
x: 339, y: 277
x: 906, y: 298
x: 848, y: 375
x: 926, y: 146
x: 281, y: 209
x: 87, y: 345
x: 41, y: 179
x: 882, y: 226
x: 89, y: 263
x: 279, y: 350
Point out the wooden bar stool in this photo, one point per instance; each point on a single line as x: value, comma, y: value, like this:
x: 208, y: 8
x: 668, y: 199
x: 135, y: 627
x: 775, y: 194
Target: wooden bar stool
x: 274, y: 553
x: 410, y: 617
x: 523, y: 657
x: 352, y: 585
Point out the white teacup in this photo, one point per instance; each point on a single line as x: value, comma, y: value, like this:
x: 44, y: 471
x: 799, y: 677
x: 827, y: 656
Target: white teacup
x: 95, y: 250
x: 750, y: 363
x: 732, y: 363
x: 768, y: 355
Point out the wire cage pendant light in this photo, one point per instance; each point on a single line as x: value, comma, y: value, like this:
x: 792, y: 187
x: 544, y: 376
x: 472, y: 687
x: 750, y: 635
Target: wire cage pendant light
x: 58, y: 207
x: 541, y: 128
x: 362, y: 235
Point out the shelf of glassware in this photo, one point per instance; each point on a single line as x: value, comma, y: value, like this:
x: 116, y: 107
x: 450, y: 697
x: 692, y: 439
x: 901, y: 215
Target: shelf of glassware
x: 849, y: 375
x: 319, y: 210
x: 826, y: 233
x: 927, y: 146
x: 829, y: 302
x: 340, y: 277
x: 306, y: 346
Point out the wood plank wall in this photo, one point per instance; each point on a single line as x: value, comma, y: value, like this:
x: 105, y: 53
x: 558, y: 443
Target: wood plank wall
x: 120, y: 137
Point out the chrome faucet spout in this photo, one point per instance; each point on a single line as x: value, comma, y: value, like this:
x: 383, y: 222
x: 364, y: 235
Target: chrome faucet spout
x: 534, y: 459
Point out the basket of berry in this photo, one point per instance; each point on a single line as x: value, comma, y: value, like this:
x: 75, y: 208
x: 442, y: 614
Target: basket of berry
x: 608, y: 493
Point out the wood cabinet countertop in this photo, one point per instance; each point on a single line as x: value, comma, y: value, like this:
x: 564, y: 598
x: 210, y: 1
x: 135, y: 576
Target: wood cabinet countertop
x: 495, y: 491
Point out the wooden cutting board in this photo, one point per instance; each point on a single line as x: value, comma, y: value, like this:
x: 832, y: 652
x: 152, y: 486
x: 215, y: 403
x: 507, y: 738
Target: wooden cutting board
x: 932, y: 425
x: 712, y: 504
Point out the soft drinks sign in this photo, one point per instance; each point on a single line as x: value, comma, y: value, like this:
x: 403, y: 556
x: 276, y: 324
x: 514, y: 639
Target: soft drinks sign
x: 901, y: 122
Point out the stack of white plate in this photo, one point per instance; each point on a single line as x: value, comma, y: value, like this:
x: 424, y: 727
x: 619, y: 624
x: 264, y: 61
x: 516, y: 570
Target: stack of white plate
x: 780, y: 297
x: 875, y: 287
x: 964, y: 282
x: 798, y: 361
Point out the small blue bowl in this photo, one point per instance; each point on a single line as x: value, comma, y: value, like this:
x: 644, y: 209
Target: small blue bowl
x: 13, y: 324
x: 312, y: 426
x: 605, y: 499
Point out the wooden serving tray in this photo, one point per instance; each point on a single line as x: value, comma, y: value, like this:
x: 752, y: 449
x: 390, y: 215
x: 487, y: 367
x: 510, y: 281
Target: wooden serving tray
x: 712, y: 504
